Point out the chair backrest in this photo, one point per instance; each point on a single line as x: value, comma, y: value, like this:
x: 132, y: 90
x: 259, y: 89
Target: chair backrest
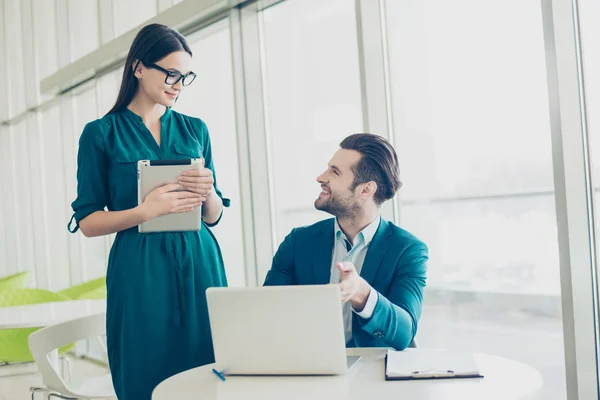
x: 21, y: 297
x: 50, y: 338
x: 15, y: 281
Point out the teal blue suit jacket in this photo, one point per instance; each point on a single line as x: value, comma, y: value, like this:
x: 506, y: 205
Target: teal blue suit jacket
x: 395, y: 266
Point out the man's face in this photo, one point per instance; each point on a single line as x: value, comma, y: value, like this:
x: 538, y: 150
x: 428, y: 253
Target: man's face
x: 336, y: 198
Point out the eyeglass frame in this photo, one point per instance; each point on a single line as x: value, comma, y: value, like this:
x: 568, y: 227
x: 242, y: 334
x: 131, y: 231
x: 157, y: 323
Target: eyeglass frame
x: 169, y: 73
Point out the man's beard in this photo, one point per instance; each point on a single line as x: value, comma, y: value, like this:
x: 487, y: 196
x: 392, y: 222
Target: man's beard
x: 340, y: 208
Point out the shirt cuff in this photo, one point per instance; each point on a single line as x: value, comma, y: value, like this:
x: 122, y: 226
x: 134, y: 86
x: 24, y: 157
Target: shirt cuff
x: 367, y: 312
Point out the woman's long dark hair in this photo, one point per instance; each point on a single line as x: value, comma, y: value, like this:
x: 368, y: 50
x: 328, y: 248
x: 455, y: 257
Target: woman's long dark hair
x: 152, y: 43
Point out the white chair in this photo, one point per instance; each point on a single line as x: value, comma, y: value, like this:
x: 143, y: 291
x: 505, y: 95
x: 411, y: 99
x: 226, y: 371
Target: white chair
x: 48, y: 339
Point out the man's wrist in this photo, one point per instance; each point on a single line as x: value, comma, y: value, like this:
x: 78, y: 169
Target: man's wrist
x: 360, y: 300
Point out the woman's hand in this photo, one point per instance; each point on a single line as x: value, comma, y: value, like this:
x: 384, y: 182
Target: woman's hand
x: 169, y: 199
x: 199, y: 181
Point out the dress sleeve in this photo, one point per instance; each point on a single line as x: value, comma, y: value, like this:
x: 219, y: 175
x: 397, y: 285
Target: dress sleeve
x: 92, y: 170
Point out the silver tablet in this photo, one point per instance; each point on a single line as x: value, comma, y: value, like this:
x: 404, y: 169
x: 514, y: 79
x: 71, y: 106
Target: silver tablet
x: 155, y: 173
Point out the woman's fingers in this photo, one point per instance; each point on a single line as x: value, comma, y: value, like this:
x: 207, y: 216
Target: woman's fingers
x: 183, y: 203
x: 182, y: 210
x: 196, y: 180
x: 184, y: 195
x: 205, y: 186
x: 185, y: 208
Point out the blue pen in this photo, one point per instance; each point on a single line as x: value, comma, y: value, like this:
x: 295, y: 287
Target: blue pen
x: 219, y: 374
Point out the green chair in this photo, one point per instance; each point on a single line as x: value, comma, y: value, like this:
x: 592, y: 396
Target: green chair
x: 96, y: 294
x: 14, y: 346
x: 16, y: 281
x: 95, y: 286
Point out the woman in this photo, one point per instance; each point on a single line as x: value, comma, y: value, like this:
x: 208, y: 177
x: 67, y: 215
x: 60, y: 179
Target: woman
x: 157, y: 318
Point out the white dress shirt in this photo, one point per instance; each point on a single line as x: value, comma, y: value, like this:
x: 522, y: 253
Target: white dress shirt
x: 344, y: 251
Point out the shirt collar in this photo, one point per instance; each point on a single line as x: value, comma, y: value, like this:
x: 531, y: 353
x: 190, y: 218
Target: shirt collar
x: 367, y: 233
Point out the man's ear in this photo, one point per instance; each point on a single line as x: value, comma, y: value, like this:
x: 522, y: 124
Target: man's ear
x: 368, y: 189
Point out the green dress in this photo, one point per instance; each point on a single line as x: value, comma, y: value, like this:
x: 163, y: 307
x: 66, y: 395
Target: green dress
x: 157, y: 318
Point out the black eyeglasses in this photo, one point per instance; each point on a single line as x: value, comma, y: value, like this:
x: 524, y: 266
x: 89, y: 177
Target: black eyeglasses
x: 173, y: 77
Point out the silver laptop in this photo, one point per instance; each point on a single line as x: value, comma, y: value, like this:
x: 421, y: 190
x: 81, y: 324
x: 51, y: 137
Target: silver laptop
x: 278, y: 330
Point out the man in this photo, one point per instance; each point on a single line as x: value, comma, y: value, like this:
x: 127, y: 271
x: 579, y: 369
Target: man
x: 379, y: 267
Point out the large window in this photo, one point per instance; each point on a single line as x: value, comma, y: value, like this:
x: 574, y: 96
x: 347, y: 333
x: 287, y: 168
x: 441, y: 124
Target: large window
x: 313, y: 99
x: 210, y: 98
x: 471, y: 123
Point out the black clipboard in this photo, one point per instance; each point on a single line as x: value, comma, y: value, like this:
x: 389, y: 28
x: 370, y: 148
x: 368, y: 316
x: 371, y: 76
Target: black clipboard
x: 424, y: 375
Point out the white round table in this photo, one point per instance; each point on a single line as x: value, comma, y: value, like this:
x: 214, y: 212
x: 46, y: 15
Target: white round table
x: 45, y: 314
x: 504, y: 379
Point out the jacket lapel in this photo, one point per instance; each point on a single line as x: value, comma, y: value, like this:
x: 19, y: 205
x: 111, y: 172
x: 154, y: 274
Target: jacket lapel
x: 377, y: 250
x: 322, y: 253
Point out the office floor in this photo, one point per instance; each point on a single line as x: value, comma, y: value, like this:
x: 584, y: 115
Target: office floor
x: 16, y: 387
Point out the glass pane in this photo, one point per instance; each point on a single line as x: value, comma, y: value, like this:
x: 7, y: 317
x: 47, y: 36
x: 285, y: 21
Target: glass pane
x: 131, y: 13
x: 83, y: 27
x: 3, y: 204
x: 36, y: 209
x: 22, y: 197
x: 58, y: 210
x: 313, y: 99
x: 471, y: 123
x: 591, y: 63
x: 107, y: 88
x: 44, y: 23
x: 9, y: 217
x: 210, y: 98
x: 14, y: 57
